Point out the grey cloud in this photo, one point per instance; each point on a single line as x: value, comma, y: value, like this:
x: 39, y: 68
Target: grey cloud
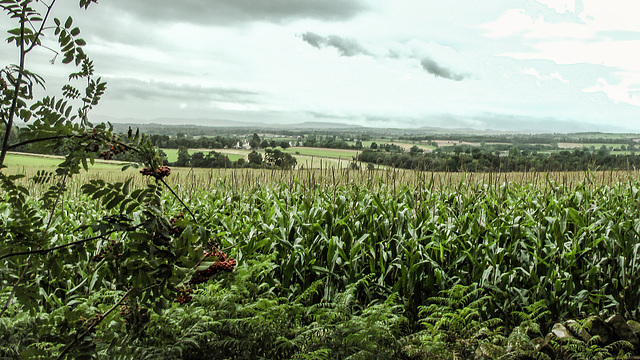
x: 153, y: 90
x: 432, y: 67
x: 313, y: 39
x: 221, y: 12
x: 351, y: 47
x: 346, y: 47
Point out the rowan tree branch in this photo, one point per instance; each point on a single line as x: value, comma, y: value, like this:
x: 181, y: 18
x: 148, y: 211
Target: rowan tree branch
x: 42, y: 26
x: 16, y: 91
x: 44, y: 251
x: 48, y: 138
x: 95, y: 323
x: 179, y: 199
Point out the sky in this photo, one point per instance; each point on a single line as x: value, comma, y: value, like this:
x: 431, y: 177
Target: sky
x: 510, y: 65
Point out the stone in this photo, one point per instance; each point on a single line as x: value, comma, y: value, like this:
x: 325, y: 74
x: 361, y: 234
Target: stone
x: 561, y: 332
x: 596, y: 326
x: 623, y: 330
x: 542, y: 345
x: 577, y: 330
x: 634, y: 325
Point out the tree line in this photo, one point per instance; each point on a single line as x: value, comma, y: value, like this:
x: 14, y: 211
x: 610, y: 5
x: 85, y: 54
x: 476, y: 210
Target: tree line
x: 480, y: 160
x: 272, y: 159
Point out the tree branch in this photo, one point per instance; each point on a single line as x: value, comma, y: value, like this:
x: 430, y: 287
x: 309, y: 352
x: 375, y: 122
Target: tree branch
x: 179, y: 199
x: 44, y: 22
x: 16, y: 92
x: 95, y: 323
x: 13, y: 291
x: 44, y: 251
x: 27, y: 142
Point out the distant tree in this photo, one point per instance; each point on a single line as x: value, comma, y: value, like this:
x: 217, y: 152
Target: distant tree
x: 264, y: 144
x: 197, y: 160
x: 184, y: 159
x: 284, y: 144
x: 255, y: 158
x: 277, y: 158
x: 415, y: 150
x: 163, y: 156
x: 254, y: 143
x: 373, y: 146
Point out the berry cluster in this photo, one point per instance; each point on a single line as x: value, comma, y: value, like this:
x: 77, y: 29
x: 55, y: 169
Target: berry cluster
x: 184, y: 295
x: 160, y: 173
x: 112, y: 249
x: 92, y: 147
x: 133, y: 317
x: 223, y: 263
x: 174, y: 230
x: 202, y: 276
x: 114, y: 149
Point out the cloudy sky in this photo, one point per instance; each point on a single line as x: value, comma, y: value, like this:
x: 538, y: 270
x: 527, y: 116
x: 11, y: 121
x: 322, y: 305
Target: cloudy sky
x: 534, y: 65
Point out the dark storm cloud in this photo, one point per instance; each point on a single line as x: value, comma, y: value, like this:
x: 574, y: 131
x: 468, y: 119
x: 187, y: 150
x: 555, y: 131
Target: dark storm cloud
x: 432, y: 67
x: 351, y: 47
x: 158, y: 90
x: 346, y: 47
x: 220, y: 12
x: 314, y: 39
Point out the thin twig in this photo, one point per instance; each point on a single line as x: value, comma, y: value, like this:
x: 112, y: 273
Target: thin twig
x: 44, y: 251
x: 42, y: 26
x: 179, y: 199
x: 13, y: 290
x: 16, y: 94
x: 95, y: 323
x: 27, y: 142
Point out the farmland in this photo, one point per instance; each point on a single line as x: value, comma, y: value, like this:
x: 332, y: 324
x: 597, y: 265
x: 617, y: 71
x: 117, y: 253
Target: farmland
x: 311, y: 240
x: 378, y: 244
x: 325, y: 258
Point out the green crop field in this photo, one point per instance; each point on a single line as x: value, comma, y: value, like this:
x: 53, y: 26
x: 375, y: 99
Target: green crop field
x: 379, y: 255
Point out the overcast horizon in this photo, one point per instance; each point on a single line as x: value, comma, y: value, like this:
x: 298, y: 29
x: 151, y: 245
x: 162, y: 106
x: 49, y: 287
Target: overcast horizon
x: 536, y: 65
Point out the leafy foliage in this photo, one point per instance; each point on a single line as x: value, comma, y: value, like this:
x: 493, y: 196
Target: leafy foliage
x: 60, y: 270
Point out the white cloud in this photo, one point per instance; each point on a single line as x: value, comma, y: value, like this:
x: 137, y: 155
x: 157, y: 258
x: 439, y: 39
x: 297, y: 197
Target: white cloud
x: 553, y: 76
x: 619, y: 15
x: 615, y: 54
x: 561, y: 6
x: 619, y: 93
x: 231, y: 106
x: 512, y: 22
x: 559, y: 77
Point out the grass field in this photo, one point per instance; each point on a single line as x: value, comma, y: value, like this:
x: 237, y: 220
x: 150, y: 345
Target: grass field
x: 45, y: 161
x: 322, y: 152
x: 234, y: 155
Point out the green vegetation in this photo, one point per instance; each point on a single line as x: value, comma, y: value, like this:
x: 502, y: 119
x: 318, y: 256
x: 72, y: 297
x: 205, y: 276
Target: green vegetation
x: 275, y: 263
x: 380, y: 256
x: 49, y: 162
x: 323, y: 152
